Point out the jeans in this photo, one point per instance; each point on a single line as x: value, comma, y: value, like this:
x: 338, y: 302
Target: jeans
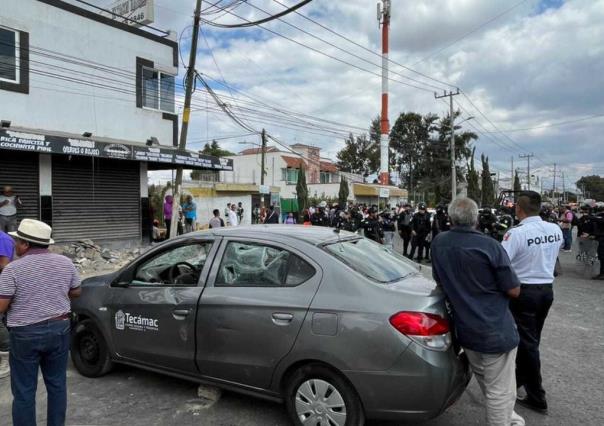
x: 8, y: 223
x: 530, y: 310
x: 568, y: 238
x: 495, y: 376
x: 46, y: 346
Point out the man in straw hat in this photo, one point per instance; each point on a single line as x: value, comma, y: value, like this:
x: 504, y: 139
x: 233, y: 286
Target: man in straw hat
x: 35, y: 292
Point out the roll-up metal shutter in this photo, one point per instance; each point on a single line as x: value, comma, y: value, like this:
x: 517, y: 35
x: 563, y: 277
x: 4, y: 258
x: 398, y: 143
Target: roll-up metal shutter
x: 96, y: 199
x: 20, y: 170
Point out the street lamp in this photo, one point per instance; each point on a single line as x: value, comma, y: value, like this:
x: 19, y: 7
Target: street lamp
x: 467, y: 119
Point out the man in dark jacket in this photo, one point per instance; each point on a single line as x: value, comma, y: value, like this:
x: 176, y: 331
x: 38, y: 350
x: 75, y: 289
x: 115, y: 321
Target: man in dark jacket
x: 272, y: 216
x: 372, y: 228
x: 403, y: 223
x: 420, y: 227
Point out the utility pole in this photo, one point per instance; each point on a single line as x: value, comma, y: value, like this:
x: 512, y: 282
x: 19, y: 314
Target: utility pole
x: 452, y: 142
x: 182, y: 143
x: 513, y: 176
x: 384, y: 19
x: 563, y: 189
x: 528, y: 168
x: 262, y: 165
x: 554, y: 186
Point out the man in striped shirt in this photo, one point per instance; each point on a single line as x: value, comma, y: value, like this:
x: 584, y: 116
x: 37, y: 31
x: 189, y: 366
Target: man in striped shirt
x: 35, y: 292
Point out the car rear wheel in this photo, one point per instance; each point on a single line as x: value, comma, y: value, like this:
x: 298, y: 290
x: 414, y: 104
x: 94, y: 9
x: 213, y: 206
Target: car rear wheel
x: 89, y: 350
x: 317, y: 396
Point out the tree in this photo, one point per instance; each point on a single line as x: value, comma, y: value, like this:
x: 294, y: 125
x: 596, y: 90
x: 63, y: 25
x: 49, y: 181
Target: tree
x: 473, y: 181
x: 215, y: 150
x: 409, y: 140
x: 343, y: 192
x: 358, y: 156
x: 517, y: 185
x: 302, y: 189
x: 592, y: 187
x: 488, y: 191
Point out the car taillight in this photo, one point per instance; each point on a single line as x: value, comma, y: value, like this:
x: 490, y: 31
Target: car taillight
x: 429, y: 330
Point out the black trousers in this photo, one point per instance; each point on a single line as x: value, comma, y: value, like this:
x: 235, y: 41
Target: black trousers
x: 530, y: 311
x: 601, y: 255
x: 418, y: 242
x: 405, y: 233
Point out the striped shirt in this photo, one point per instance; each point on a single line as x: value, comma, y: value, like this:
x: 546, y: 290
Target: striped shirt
x: 38, y: 285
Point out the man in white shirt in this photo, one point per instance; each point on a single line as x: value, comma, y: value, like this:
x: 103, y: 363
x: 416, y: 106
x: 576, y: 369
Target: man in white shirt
x: 533, y: 248
x: 233, y: 220
x: 9, y: 202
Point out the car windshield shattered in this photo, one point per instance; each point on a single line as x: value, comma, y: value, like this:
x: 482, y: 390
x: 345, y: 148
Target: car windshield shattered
x: 372, y: 260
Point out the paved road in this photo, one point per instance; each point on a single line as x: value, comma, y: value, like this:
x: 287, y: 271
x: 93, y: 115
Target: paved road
x: 572, y: 354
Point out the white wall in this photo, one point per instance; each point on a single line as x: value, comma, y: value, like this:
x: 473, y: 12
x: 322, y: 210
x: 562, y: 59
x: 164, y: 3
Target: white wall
x: 206, y: 205
x: 54, y: 104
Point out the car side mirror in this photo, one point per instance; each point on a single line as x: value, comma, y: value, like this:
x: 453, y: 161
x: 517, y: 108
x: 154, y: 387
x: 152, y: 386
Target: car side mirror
x: 123, y: 280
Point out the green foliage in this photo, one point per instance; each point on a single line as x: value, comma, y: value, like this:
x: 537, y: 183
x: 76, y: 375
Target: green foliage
x: 210, y: 149
x: 361, y: 155
x: 473, y: 180
x: 302, y: 190
x: 592, y: 186
x: 488, y: 190
x: 343, y: 192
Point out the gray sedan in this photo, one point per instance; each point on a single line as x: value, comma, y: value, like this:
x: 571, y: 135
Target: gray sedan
x: 336, y: 326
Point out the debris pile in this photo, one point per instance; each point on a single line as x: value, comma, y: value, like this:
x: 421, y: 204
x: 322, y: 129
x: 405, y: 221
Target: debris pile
x: 90, y: 258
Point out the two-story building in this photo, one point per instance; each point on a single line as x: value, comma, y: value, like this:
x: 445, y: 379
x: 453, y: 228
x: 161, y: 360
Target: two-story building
x: 87, y: 108
x: 322, y: 175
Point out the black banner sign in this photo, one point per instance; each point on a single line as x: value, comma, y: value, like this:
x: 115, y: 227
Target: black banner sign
x: 47, y: 144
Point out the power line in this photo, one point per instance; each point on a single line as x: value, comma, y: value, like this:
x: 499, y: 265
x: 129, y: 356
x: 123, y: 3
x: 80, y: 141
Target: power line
x: 559, y: 123
x: 366, y: 48
x: 261, y: 21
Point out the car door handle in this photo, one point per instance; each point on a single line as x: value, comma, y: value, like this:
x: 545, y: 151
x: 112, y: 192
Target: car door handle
x: 180, y: 313
x: 280, y: 318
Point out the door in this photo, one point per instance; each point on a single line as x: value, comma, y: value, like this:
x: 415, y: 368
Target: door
x: 250, y: 317
x: 154, y: 303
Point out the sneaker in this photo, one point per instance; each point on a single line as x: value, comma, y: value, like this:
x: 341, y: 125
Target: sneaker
x: 530, y: 403
x: 4, y: 367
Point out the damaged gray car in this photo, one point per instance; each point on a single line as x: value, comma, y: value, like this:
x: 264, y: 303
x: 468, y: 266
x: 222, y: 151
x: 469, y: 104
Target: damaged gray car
x: 337, y: 327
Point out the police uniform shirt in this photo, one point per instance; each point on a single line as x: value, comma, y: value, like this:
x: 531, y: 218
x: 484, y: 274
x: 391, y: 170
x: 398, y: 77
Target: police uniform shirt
x: 533, y: 248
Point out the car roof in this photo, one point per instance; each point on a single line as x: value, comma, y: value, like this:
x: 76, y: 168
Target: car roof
x: 311, y: 234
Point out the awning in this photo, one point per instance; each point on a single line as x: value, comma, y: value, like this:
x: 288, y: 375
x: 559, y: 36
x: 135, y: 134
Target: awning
x: 158, y: 157
x: 293, y: 162
x: 368, y: 190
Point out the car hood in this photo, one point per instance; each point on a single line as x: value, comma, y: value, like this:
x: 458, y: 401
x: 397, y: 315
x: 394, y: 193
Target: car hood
x: 100, y: 280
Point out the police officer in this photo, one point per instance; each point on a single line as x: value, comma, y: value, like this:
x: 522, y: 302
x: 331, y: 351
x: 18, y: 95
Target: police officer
x: 420, y: 227
x: 403, y: 222
x: 319, y: 217
x: 388, y: 226
x: 597, y: 233
x: 372, y: 228
x: 533, y: 248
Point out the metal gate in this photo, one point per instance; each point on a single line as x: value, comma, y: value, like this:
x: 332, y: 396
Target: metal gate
x: 20, y: 170
x: 96, y: 199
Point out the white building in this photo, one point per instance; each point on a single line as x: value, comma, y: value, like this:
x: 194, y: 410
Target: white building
x: 322, y: 175
x: 87, y: 105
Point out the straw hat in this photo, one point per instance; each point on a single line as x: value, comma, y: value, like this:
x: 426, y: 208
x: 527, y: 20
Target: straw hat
x: 34, y: 231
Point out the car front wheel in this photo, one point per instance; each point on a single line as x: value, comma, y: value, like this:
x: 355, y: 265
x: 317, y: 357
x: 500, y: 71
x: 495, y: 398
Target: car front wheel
x: 89, y: 350
x: 318, y: 396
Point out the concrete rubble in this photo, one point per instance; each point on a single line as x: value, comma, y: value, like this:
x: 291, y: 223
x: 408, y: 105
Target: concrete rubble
x: 90, y: 258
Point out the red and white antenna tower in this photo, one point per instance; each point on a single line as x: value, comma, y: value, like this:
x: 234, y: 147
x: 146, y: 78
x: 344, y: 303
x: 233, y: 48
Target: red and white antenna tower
x: 383, y: 10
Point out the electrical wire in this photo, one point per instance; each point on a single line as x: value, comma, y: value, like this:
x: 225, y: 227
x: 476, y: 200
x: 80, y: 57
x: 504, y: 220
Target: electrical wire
x: 261, y: 21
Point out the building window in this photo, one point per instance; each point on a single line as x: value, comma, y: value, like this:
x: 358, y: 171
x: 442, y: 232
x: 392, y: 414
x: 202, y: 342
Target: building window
x: 9, y: 55
x: 157, y: 90
x: 325, y: 177
x: 289, y: 175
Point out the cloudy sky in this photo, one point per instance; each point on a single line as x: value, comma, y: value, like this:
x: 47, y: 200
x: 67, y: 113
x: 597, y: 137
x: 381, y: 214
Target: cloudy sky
x: 520, y: 64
